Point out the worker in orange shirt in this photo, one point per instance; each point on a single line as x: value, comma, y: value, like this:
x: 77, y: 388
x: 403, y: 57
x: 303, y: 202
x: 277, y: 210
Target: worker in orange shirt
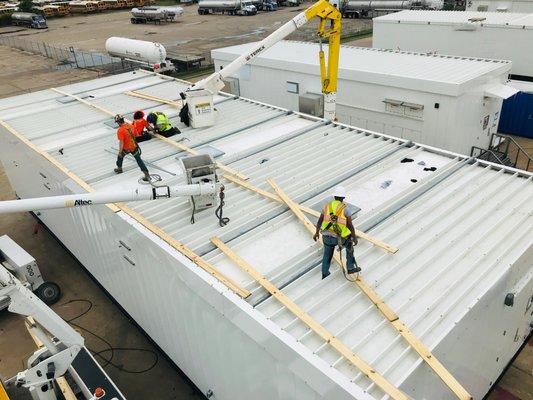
x: 140, y: 126
x: 128, y: 145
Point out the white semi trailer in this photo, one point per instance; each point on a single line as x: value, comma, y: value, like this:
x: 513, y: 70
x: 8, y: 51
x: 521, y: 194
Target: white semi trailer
x: 364, y: 8
x: 232, y: 7
x: 155, y: 14
x: 150, y: 55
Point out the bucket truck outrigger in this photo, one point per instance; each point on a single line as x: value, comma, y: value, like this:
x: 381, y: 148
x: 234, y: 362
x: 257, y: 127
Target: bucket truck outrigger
x: 199, y: 112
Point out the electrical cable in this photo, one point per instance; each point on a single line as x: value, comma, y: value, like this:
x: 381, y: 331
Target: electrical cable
x: 193, y: 210
x: 222, y: 221
x: 110, y: 348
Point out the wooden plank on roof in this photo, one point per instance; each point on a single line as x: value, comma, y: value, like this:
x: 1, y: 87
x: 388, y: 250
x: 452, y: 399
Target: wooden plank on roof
x: 308, y: 210
x: 52, y: 160
x: 170, y: 142
x: 187, y: 252
x: 156, y: 99
x: 389, y: 313
x: 314, y: 325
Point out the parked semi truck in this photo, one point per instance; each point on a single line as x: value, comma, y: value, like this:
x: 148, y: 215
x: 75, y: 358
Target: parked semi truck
x: 30, y: 20
x: 232, y: 7
x: 269, y: 5
x: 363, y: 8
x: 290, y: 3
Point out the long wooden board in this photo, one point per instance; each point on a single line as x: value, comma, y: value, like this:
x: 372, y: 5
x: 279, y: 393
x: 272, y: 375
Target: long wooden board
x: 314, y: 325
x: 187, y: 252
x: 413, y: 341
x: 272, y: 196
x: 145, y: 96
x: 52, y: 160
x: 173, y: 143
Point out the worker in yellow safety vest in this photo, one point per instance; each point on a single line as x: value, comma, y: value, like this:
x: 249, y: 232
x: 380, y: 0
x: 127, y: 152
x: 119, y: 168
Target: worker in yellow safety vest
x: 159, y: 123
x: 335, y: 224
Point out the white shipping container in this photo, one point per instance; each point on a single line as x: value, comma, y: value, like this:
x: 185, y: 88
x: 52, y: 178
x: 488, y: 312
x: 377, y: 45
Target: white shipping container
x: 461, y: 281
x: 450, y: 102
x: 523, y: 6
x: 503, y: 36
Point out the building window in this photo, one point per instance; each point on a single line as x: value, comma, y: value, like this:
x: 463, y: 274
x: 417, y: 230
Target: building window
x: 293, y: 87
x: 404, y: 108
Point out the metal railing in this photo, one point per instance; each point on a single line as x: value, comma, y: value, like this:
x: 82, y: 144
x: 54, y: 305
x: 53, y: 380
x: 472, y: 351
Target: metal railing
x: 487, y: 155
x: 509, y: 146
x: 70, y: 58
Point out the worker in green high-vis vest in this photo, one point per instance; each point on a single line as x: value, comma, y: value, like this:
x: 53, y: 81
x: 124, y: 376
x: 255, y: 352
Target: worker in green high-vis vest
x: 160, y: 124
x: 335, y: 224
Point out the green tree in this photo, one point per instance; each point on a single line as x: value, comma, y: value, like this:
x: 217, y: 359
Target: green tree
x: 25, y: 5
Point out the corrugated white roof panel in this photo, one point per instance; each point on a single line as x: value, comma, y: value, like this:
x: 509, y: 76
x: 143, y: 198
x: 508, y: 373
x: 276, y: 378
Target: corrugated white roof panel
x: 459, y: 17
x: 424, y: 72
x: 459, y: 227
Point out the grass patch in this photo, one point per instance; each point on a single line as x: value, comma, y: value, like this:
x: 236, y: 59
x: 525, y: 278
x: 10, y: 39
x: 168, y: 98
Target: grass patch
x: 208, y: 69
x: 354, y: 36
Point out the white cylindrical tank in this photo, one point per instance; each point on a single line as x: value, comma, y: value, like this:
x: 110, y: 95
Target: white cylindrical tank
x: 148, y: 12
x: 139, y: 50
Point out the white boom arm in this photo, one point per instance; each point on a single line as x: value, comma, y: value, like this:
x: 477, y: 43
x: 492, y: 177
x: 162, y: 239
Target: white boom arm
x: 89, y: 199
x: 47, y: 363
x: 214, y: 82
x: 24, y: 302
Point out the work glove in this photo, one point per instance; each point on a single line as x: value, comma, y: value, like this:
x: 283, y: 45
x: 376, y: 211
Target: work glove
x: 316, y: 236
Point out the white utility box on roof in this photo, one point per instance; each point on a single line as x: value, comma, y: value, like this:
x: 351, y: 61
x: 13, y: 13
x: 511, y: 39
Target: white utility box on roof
x: 201, y: 109
x: 447, y: 102
x: 200, y: 169
x: 495, y: 35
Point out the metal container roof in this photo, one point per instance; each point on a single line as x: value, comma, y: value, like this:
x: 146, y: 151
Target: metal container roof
x: 418, y: 71
x: 459, y: 223
x: 496, y: 19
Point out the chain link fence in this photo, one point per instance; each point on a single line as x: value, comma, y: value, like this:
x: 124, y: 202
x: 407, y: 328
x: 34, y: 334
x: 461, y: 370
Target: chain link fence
x: 69, y: 58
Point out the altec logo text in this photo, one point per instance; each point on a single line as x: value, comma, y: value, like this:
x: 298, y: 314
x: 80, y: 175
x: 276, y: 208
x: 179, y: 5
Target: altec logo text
x: 77, y: 203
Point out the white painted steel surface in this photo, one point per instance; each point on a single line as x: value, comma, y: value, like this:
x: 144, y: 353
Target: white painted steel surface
x: 450, y: 89
x: 500, y: 5
x: 464, y: 231
x: 463, y: 33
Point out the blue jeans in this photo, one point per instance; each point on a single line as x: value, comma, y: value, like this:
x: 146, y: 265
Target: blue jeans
x: 137, y: 155
x: 330, y: 242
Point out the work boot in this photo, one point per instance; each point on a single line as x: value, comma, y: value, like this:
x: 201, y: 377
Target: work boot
x: 118, y: 170
x: 146, y: 177
x: 355, y: 270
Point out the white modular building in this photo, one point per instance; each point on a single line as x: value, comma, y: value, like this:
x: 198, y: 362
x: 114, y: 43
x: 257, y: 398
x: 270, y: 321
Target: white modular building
x: 518, y: 6
x: 497, y: 35
x: 458, y: 288
x: 450, y: 102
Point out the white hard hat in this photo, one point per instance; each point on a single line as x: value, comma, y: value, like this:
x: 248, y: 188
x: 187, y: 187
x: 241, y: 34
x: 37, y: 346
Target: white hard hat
x: 339, y: 191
